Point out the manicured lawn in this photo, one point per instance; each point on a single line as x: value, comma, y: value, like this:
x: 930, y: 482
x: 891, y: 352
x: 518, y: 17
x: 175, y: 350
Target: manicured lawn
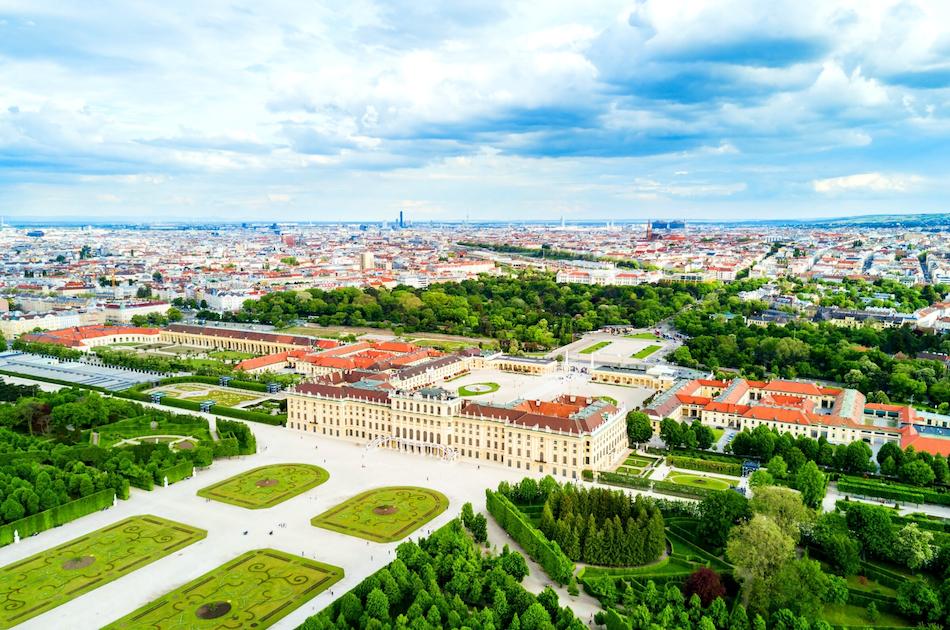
x: 696, y: 481
x: 226, y: 397
x: 477, y: 389
x: 630, y: 470
x: 857, y: 617
x: 594, y: 348
x: 55, y: 576
x: 636, y: 460
x: 644, y: 335
x: 717, y: 433
x: 266, y: 486
x: 255, y: 590
x: 231, y: 355
x: 608, y: 399
x: 642, y: 354
x: 383, y: 514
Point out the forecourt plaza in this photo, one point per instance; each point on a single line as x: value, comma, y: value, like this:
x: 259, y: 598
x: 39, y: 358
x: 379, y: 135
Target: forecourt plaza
x: 285, y: 527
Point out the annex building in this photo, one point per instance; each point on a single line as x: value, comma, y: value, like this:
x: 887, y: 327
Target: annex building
x: 839, y: 415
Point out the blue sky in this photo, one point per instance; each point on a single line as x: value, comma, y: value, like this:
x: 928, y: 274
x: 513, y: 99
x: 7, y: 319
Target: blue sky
x: 473, y: 108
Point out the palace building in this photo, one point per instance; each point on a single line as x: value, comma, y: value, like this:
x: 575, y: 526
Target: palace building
x: 559, y: 437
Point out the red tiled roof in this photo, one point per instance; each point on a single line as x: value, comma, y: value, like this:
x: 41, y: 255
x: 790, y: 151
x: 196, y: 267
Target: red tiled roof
x: 793, y: 387
x: 932, y: 445
x: 72, y: 337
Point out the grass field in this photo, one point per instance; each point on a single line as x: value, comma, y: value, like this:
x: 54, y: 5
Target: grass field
x: 696, y: 481
x: 644, y: 335
x: 55, y: 576
x: 266, y: 486
x: 642, y: 354
x: 383, y: 514
x: 600, y: 345
x: 255, y: 590
x: 231, y: 355
x: 479, y: 389
x: 717, y: 434
x: 852, y: 616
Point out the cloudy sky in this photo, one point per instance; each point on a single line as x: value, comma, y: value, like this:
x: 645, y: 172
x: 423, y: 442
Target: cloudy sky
x: 471, y: 108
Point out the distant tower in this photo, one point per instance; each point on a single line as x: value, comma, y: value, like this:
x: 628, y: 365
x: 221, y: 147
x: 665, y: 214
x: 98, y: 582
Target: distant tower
x: 562, y: 221
x: 402, y: 223
x: 649, y: 229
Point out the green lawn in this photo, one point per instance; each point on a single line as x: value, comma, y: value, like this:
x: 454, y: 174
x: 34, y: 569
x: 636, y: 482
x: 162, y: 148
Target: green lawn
x: 53, y: 577
x: 857, y: 617
x: 644, y: 335
x: 266, y: 486
x: 608, y: 399
x: 383, y: 514
x: 255, y: 590
x: 477, y: 389
x: 717, y: 434
x: 629, y: 470
x: 637, y: 460
x: 696, y: 481
x: 231, y: 355
x: 594, y: 348
x: 224, y: 396
x: 642, y: 354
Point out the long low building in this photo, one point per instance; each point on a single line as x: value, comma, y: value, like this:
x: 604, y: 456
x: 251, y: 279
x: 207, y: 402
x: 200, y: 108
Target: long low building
x: 237, y: 339
x: 560, y: 437
x: 87, y: 337
x: 839, y: 415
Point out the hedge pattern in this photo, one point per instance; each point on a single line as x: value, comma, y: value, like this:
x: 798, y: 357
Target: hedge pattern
x: 862, y: 487
x: 705, y: 465
x: 546, y: 553
x: 54, y: 517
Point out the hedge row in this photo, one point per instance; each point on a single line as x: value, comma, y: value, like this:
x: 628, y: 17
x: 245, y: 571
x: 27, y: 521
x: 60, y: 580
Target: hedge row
x: 879, y: 490
x: 698, y: 454
x: 890, y: 490
x: 546, y: 553
x: 679, y: 490
x: 628, y: 481
x: 177, y: 472
x: 705, y: 465
x: 54, y: 517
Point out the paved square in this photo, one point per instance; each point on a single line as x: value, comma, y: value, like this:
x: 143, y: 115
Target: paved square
x: 50, y: 578
x: 266, y: 486
x: 255, y: 590
x: 384, y: 514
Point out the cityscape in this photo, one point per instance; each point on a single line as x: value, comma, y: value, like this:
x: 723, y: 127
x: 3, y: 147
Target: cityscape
x: 477, y: 316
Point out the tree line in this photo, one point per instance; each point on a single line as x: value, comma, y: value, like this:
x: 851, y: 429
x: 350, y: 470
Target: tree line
x: 603, y: 527
x: 531, y: 309
x: 880, y: 363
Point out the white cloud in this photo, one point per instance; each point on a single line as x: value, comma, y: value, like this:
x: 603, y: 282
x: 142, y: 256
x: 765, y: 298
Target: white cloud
x: 873, y: 182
